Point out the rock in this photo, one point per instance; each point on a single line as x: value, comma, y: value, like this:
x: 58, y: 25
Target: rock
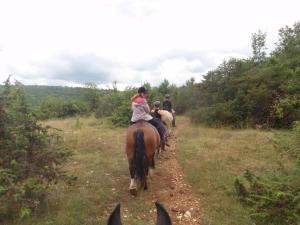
x: 174, y: 210
x: 179, y: 216
x: 187, y: 214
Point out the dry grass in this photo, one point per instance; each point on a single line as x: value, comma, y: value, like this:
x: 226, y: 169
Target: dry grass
x: 101, y: 166
x: 212, y: 158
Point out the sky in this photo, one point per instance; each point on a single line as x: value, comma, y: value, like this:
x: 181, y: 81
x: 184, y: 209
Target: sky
x: 70, y: 43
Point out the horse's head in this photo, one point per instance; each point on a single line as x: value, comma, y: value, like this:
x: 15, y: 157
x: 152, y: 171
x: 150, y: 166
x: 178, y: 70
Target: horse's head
x: 163, y: 217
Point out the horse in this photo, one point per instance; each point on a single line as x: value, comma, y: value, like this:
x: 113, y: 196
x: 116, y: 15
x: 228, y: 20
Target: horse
x: 142, y: 142
x: 162, y: 217
x: 166, y: 118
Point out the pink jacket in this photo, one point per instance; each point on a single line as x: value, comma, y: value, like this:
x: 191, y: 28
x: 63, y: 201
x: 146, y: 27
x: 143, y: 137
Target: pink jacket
x: 140, y: 109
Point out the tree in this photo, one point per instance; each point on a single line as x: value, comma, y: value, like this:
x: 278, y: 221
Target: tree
x: 259, y: 46
x: 164, y: 87
x: 91, y: 95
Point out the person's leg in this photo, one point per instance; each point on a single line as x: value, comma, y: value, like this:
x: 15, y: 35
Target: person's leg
x: 160, y: 128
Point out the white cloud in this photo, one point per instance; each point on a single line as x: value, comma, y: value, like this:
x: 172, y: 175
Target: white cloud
x: 130, y: 41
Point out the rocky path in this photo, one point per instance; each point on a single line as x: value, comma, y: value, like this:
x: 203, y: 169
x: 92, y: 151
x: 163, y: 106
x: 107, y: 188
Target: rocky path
x: 174, y: 192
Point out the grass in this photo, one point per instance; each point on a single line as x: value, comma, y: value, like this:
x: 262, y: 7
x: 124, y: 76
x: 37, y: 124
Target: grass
x: 212, y: 158
x: 100, y: 163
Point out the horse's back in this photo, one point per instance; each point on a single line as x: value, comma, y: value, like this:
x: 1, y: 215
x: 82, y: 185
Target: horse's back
x: 151, y: 135
x: 167, y: 118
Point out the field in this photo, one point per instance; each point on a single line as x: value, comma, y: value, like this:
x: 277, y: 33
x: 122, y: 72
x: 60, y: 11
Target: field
x: 213, y: 158
x: 197, y: 176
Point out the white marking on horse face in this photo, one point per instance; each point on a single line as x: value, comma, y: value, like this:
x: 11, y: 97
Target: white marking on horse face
x: 132, y: 184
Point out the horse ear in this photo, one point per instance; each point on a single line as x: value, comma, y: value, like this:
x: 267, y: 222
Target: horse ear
x: 115, y: 216
x: 163, y: 217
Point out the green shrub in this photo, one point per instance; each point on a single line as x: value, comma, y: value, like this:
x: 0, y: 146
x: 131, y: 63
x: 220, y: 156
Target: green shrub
x: 271, y: 201
x: 286, y: 110
x: 275, y: 200
x: 54, y: 107
x: 121, y: 116
x: 290, y: 141
x: 30, y: 157
x: 122, y: 112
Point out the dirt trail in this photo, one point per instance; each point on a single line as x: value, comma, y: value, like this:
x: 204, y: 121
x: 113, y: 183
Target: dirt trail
x: 174, y: 192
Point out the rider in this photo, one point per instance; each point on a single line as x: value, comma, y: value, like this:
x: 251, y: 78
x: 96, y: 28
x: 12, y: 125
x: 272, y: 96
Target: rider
x: 167, y: 105
x: 141, y: 111
x: 156, y: 108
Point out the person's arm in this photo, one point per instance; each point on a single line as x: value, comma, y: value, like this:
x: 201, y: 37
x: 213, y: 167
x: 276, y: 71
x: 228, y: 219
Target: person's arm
x: 146, y: 107
x: 134, y: 97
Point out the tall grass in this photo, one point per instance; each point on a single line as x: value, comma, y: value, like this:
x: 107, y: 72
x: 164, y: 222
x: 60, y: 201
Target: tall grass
x: 212, y: 158
x: 101, y: 167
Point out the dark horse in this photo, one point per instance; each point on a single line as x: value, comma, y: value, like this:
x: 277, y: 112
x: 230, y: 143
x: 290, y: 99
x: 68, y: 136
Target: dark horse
x: 142, y: 142
x: 162, y: 217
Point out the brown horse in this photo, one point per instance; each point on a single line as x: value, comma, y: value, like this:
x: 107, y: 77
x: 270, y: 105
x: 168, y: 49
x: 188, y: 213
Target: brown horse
x: 142, y: 142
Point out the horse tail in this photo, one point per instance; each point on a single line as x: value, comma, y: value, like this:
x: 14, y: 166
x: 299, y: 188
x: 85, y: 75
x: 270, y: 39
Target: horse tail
x: 140, y: 162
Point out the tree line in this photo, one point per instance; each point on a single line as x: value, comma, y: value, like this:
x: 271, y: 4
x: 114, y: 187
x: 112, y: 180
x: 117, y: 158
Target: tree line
x: 260, y: 90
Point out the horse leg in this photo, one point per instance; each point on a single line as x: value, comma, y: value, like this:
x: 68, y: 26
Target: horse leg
x: 132, y: 186
x: 145, y: 184
x: 151, y: 166
x: 163, y: 146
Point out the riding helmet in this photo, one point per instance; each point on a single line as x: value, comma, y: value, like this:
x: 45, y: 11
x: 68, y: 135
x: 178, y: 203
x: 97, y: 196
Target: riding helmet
x: 156, y: 103
x: 142, y: 90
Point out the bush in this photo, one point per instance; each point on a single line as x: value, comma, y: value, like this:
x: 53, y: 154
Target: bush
x: 121, y: 117
x: 122, y: 112
x: 286, y: 111
x: 30, y: 157
x: 290, y: 141
x: 216, y: 115
x: 275, y: 200
x: 54, y: 107
x: 271, y: 201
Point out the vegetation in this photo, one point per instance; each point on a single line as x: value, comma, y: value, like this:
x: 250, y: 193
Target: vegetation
x: 101, y: 166
x: 212, y: 158
x: 30, y: 157
x: 274, y: 199
x: 262, y: 90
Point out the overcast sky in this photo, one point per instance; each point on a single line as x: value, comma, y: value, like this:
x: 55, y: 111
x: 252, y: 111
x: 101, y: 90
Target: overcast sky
x: 62, y: 42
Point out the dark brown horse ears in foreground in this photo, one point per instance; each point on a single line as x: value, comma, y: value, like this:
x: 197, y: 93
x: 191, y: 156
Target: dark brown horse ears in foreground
x: 163, y: 217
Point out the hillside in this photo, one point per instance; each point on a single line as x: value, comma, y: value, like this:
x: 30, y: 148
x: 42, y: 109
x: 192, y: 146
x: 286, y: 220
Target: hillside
x: 36, y: 94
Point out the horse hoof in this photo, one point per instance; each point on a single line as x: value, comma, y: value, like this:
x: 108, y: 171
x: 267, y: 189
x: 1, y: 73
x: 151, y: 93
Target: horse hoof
x: 133, y: 192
